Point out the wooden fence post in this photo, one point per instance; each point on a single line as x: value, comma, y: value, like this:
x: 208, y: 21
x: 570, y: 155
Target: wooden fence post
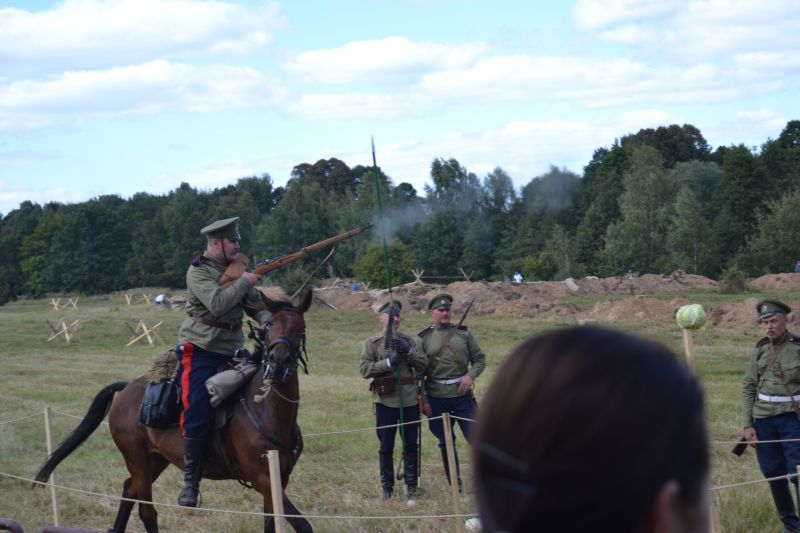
x: 53, y: 492
x: 451, y: 462
x: 277, y: 489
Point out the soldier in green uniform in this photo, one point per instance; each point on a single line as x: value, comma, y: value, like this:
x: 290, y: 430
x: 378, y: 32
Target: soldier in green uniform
x: 208, y: 338
x: 455, y: 362
x: 402, y: 360
x: 770, y: 410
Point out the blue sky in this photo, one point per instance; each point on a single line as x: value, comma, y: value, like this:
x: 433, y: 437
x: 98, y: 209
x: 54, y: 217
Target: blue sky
x: 122, y: 96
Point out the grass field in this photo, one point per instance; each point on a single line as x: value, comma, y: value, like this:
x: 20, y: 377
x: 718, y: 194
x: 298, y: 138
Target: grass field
x: 337, y: 474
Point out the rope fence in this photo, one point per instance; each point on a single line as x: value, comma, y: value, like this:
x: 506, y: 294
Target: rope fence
x: 446, y: 417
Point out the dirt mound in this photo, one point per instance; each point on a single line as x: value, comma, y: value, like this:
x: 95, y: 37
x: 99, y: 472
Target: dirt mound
x: 638, y: 307
x: 786, y: 282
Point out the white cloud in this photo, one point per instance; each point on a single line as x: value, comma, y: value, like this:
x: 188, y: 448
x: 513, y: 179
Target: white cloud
x: 79, y: 34
x: 383, y: 60
x: 146, y: 88
x: 595, y: 14
x: 695, y: 29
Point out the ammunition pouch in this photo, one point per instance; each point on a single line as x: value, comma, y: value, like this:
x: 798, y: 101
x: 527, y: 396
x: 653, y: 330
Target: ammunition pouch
x: 161, y: 404
x: 388, y: 384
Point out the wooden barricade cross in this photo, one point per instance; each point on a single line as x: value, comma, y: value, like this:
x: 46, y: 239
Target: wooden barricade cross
x: 150, y: 333
x: 58, y: 306
x: 145, y: 298
x: 62, y: 328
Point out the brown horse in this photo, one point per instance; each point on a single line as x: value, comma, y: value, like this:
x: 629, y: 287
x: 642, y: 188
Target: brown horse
x: 238, y: 450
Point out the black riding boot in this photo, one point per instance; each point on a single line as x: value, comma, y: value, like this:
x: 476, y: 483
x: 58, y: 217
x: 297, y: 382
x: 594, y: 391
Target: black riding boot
x: 410, y: 460
x: 387, y: 475
x: 447, y: 468
x: 784, y: 504
x: 194, y: 453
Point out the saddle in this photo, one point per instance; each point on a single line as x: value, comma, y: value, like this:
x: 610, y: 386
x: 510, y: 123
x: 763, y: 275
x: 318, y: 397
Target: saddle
x: 161, y: 404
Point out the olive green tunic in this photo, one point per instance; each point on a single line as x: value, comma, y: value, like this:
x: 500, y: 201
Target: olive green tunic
x: 207, y: 300
x: 788, y: 362
x: 462, y: 355
x: 375, y: 364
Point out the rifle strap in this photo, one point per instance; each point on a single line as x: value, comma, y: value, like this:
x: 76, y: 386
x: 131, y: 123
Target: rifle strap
x: 334, y: 248
x: 445, y: 344
x: 773, y: 356
x: 780, y: 374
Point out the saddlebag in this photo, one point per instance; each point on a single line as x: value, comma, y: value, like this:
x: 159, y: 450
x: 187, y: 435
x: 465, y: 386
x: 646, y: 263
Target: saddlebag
x: 161, y: 405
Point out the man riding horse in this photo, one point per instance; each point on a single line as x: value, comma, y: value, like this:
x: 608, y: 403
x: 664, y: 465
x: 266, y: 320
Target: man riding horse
x: 208, y: 338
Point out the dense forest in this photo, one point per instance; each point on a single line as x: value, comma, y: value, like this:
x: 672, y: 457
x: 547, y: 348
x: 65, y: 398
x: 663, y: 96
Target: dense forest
x: 656, y: 201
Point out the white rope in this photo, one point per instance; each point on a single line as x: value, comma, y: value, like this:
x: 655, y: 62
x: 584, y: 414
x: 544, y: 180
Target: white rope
x: 345, y: 431
x: 342, y: 432
x: 40, y: 413
x: 249, y: 513
x: 754, y: 482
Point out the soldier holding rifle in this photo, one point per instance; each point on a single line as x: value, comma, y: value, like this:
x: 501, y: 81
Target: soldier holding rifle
x: 770, y: 406
x: 387, y: 363
x: 455, y: 362
x: 220, y: 291
x: 208, y: 338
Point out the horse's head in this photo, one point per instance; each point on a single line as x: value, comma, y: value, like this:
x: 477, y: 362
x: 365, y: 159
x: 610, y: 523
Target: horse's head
x: 285, y: 343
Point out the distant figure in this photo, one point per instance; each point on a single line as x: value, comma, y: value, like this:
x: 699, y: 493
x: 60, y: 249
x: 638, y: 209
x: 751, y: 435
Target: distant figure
x: 797, y: 266
x: 517, y: 278
x: 355, y: 287
x: 607, y: 434
x: 506, y: 280
x: 161, y: 299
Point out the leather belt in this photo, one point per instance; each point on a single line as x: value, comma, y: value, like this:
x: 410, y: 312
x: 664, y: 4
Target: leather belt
x: 449, y: 381
x: 777, y: 399
x: 216, y: 324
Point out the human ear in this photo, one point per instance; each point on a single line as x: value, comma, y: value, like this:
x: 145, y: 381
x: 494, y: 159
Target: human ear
x: 664, y: 515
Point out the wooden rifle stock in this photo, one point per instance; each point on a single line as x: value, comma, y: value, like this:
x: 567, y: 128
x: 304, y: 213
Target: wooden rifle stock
x: 239, y: 267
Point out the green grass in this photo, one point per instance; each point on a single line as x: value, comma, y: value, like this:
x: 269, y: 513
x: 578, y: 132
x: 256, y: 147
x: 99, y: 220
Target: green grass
x: 337, y: 474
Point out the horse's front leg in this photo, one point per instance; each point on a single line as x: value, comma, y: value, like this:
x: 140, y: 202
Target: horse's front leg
x: 269, y: 521
x: 299, y: 523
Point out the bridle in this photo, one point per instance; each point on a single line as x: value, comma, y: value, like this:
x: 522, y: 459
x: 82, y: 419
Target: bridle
x: 296, y: 350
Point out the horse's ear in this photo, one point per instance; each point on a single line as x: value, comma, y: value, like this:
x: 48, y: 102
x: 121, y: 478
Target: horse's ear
x: 307, y: 298
x: 266, y: 301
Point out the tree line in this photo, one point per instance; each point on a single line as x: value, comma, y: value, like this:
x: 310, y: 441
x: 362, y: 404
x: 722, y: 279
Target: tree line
x: 655, y: 201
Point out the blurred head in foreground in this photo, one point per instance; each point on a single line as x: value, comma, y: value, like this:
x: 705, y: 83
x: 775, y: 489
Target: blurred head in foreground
x: 591, y: 429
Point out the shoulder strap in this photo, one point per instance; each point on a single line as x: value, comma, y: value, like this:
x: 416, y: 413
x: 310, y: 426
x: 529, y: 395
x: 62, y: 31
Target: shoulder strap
x: 773, y: 357
x: 444, y: 345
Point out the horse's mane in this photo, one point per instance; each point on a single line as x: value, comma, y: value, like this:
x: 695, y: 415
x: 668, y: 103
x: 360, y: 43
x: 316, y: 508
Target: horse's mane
x: 278, y: 300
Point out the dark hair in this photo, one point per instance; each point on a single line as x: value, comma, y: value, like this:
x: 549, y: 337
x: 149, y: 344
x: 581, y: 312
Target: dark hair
x: 580, y: 429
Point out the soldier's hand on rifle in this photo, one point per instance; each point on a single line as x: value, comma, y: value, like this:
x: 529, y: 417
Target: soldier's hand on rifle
x: 251, y: 278
x: 400, y: 346
x: 396, y: 358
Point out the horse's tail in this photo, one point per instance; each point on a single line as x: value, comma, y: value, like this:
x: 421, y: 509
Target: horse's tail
x: 96, y: 413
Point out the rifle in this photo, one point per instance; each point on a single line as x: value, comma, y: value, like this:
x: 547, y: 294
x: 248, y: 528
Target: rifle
x: 238, y: 267
x: 469, y: 306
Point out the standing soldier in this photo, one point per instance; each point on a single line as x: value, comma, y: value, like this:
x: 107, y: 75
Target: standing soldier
x: 208, y: 338
x: 770, y: 410
x: 403, y: 360
x: 455, y: 360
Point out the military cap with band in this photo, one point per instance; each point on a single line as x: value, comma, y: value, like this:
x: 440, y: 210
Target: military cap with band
x: 767, y: 308
x: 385, y: 307
x: 223, y: 229
x: 441, y: 301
